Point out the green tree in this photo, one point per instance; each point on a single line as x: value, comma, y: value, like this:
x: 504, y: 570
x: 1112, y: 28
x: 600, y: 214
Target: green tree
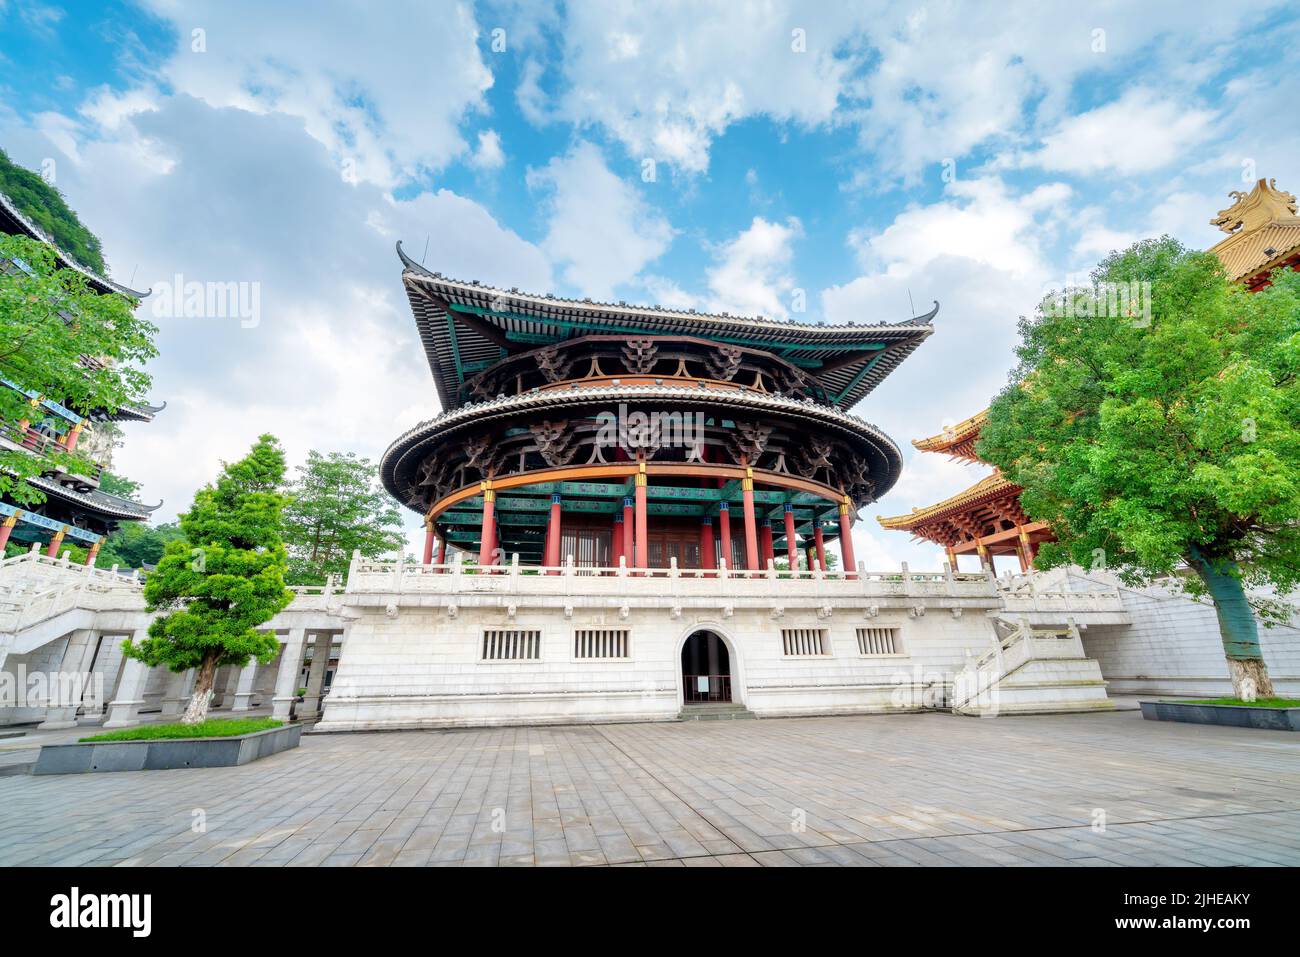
x: 223, y: 579
x: 1154, y: 445
x: 45, y: 206
x: 337, y: 507
x: 136, y: 545
x: 51, y: 325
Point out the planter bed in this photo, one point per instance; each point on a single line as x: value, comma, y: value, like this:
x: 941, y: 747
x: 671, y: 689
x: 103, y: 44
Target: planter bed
x: 1227, y: 715
x: 157, y: 754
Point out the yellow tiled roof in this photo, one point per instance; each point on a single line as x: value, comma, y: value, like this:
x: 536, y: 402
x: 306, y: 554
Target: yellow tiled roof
x: 988, y: 487
x: 950, y: 437
x: 1263, y: 230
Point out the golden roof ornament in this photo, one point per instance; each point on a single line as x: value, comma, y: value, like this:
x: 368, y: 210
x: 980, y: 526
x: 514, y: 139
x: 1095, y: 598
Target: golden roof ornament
x: 1263, y: 205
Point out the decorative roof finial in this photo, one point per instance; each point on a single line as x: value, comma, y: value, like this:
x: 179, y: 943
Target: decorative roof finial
x: 1262, y: 205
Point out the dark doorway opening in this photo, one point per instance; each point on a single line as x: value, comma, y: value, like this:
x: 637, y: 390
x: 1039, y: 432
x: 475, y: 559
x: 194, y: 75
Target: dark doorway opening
x: 706, y: 669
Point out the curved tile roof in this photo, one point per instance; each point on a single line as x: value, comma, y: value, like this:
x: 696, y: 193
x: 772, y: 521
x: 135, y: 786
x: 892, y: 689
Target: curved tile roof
x: 507, y: 406
x: 469, y: 324
x: 19, y: 223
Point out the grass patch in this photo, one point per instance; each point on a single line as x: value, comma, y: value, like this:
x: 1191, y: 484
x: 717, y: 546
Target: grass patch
x: 1258, y: 703
x: 216, y: 728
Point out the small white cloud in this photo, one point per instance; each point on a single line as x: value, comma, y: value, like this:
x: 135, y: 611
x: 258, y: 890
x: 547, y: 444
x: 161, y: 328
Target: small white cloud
x: 1137, y: 133
x: 489, y: 154
x: 751, y: 275
x: 600, y: 231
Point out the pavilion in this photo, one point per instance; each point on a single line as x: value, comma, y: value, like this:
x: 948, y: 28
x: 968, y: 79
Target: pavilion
x: 610, y: 434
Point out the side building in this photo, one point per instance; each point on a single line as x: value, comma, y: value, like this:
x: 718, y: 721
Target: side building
x: 75, y: 510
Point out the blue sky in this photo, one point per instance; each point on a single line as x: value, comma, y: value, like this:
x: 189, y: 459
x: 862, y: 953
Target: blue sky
x: 865, y: 154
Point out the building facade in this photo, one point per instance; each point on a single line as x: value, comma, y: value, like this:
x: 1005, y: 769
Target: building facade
x: 75, y: 511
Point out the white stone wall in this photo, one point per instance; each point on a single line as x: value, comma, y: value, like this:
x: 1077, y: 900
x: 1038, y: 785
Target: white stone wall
x: 424, y: 668
x: 46, y: 659
x: 1172, y: 647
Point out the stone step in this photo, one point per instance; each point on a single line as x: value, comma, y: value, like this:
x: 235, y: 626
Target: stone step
x: 715, y: 712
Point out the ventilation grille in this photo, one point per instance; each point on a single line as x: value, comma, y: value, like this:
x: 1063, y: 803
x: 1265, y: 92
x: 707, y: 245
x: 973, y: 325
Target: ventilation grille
x: 878, y: 641
x: 804, y: 641
x: 600, y: 643
x: 511, y: 645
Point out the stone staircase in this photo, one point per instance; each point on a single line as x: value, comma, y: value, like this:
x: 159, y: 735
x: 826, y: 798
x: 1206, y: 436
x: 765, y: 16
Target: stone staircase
x: 1031, y: 671
x: 720, y: 711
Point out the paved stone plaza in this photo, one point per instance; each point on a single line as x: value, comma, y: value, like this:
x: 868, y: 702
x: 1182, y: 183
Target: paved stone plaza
x: 874, y: 790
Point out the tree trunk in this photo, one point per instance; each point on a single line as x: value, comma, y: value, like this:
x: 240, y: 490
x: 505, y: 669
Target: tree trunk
x: 1237, y: 628
x: 197, y: 710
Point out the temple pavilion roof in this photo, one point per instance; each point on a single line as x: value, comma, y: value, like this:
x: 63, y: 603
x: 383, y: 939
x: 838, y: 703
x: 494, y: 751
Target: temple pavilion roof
x: 958, y: 440
x: 986, y: 489
x: 102, y: 503
x: 13, y: 221
x: 467, y: 327
x: 1263, y: 231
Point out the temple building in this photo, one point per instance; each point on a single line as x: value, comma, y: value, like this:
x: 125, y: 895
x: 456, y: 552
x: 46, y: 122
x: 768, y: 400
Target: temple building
x: 75, y: 510
x: 986, y: 519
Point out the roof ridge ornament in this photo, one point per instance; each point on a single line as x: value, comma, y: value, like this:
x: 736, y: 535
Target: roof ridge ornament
x: 1264, y: 204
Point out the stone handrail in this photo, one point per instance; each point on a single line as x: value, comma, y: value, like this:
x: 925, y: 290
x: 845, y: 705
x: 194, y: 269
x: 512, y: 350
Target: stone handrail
x: 456, y: 577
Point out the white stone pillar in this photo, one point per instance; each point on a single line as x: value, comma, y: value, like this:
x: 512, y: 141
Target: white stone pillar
x: 179, y: 689
x: 320, y: 657
x: 244, y: 686
x: 124, y: 709
x: 286, y: 682
x: 67, y: 686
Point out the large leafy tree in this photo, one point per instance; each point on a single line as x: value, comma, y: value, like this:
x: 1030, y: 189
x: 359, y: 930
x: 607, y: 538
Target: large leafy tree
x: 338, y: 507
x: 45, y: 206
x: 1168, y: 444
x: 60, y: 341
x: 224, y: 579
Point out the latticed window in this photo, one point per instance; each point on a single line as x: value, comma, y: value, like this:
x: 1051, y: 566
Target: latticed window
x: 878, y: 641
x: 601, y: 643
x: 511, y: 644
x: 805, y: 642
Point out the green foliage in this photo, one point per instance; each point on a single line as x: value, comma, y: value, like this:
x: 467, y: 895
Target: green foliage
x: 45, y: 206
x: 337, y: 507
x: 135, y: 545
x: 1148, y: 445
x: 117, y: 485
x: 50, y: 320
x: 216, y: 728
x: 226, y: 576
x: 1257, y: 703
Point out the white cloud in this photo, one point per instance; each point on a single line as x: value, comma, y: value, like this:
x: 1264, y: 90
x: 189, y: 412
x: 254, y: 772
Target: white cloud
x: 600, y: 231
x: 978, y: 219
x: 1139, y: 132
x: 751, y: 274
x: 384, y: 87
x: 489, y: 154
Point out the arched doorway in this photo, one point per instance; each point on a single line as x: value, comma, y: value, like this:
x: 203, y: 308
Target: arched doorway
x: 706, y: 669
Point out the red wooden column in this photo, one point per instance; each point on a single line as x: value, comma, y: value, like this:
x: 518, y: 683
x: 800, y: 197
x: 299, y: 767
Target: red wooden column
x: 70, y: 437
x: 428, y: 542
x: 1024, y: 551
x: 791, y: 544
x: 93, y: 553
x: 55, y: 542
x: 629, y: 526
x: 487, y: 535
x: 810, y: 556
x: 7, y: 529
x: 952, y: 558
x: 765, y: 551
x: 442, y: 552
x: 707, y: 558
x: 846, y: 539
x: 642, y: 542
x: 724, y: 532
x: 751, y: 532
x: 819, y: 544
x: 553, y: 536
x: 616, y: 538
